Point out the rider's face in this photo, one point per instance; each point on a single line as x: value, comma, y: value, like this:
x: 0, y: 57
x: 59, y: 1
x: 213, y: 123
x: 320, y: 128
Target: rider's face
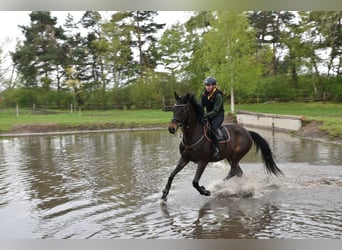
x: 209, y: 87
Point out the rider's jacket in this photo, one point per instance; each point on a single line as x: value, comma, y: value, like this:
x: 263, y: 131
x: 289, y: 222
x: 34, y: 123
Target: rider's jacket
x: 213, y: 103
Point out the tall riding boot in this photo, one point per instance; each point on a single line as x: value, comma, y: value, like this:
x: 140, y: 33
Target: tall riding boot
x: 216, y: 150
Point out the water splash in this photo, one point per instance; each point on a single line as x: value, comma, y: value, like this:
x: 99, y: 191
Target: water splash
x: 233, y: 188
x: 242, y: 187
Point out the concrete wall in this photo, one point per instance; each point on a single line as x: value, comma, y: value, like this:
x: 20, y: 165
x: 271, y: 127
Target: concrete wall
x: 279, y: 122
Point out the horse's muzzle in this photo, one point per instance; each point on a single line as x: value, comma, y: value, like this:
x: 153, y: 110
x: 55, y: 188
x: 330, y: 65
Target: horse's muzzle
x: 172, y: 127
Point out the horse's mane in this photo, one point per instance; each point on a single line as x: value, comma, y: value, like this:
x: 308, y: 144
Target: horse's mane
x: 199, y: 112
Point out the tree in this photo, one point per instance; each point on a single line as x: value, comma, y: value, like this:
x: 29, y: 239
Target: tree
x: 173, y: 48
x: 295, y: 58
x: 144, y: 36
x: 229, y: 53
x: 196, y: 68
x: 326, y: 34
x: 323, y: 45
x: 39, y: 55
x: 8, y: 76
x: 269, y: 27
x: 119, y: 59
x: 125, y: 32
x: 74, y: 83
x: 92, y: 46
x: 76, y: 51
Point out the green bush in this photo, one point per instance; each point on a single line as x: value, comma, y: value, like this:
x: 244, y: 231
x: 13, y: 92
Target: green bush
x: 334, y: 89
x: 22, y: 97
x: 155, y: 90
x: 38, y: 97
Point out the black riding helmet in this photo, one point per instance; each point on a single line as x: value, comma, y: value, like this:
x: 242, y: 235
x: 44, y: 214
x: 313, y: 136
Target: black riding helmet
x: 210, y: 81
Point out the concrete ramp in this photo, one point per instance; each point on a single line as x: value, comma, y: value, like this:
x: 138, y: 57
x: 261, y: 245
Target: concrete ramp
x: 274, y: 121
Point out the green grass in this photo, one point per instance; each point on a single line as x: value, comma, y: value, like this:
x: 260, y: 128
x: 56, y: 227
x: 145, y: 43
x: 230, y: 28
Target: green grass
x: 109, y: 119
x: 328, y: 113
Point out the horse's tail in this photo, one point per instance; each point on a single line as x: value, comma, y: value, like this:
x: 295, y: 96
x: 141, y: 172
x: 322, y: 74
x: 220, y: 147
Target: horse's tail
x: 266, y: 153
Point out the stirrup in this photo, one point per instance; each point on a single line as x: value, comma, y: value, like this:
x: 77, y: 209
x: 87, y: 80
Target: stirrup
x: 216, y: 153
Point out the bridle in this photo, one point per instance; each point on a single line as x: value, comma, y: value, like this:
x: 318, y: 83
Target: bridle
x: 184, y: 125
x: 181, y: 123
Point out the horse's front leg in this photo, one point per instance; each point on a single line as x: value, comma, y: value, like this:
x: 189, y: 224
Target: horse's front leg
x: 181, y: 164
x: 201, y: 189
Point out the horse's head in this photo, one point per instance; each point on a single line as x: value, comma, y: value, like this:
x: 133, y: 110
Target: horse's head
x: 180, y: 112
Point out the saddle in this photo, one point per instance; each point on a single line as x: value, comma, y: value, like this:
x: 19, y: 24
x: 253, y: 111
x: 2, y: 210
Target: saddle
x: 222, y: 134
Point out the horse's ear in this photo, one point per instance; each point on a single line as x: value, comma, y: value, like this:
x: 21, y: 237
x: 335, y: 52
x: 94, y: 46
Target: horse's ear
x: 176, y: 96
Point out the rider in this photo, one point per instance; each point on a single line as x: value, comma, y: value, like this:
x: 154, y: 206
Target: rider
x: 212, y: 101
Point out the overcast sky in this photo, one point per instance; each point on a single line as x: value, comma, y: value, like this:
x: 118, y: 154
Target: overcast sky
x: 9, y: 21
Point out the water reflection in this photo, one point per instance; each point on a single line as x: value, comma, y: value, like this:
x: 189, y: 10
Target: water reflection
x: 287, y: 148
x: 227, y: 219
x: 108, y: 185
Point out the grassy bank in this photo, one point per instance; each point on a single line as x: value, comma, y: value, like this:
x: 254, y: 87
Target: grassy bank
x: 59, y: 120
x: 330, y: 114
x: 40, y: 120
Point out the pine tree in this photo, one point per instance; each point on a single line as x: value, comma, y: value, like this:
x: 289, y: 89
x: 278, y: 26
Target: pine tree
x: 39, y: 57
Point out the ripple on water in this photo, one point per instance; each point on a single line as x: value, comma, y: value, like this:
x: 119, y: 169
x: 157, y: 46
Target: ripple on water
x: 109, y: 185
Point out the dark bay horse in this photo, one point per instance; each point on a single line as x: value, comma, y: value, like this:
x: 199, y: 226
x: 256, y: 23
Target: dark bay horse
x: 196, y: 145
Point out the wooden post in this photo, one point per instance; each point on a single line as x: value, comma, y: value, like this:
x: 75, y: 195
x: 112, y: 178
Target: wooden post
x: 232, y: 102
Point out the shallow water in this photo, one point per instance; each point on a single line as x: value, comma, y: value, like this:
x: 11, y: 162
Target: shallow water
x: 108, y: 185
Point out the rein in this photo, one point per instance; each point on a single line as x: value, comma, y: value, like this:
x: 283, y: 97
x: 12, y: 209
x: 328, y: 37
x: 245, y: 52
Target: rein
x: 204, y: 135
x: 205, y: 130
x: 187, y: 147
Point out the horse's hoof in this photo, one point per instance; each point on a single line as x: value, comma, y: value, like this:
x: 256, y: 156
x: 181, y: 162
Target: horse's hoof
x: 227, y: 178
x: 204, y: 191
x: 163, y: 202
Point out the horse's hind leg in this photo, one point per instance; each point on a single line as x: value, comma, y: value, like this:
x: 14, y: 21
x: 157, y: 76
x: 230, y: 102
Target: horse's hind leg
x: 235, y: 170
